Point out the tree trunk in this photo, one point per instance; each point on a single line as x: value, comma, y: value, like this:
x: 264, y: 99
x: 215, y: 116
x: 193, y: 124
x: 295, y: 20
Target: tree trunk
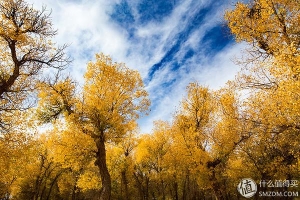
x: 175, y: 185
x: 101, y: 164
x: 52, y: 184
x: 217, y: 187
x: 186, y: 187
x: 124, y: 182
x: 139, y: 185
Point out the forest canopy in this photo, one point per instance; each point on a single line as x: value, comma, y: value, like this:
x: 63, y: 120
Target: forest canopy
x: 92, y: 148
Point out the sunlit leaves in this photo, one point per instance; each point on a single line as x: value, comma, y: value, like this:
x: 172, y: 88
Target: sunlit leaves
x: 113, y: 96
x: 56, y: 99
x: 26, y: 50
x: 249, y: 128
x: 271, y: 75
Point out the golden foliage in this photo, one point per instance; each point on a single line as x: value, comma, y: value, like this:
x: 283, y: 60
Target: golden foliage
x: 252, y: 123
x: 114, y: 96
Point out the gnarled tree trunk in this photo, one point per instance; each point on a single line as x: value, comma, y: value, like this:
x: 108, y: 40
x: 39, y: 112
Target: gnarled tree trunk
x: 101, y: 164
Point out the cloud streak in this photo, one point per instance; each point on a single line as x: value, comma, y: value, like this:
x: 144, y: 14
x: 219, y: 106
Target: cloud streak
x: 171, y: 43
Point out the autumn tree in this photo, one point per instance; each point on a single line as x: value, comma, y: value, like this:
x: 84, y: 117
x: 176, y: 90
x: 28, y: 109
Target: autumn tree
x: 27, y: 171
x: 113, y: 99
x: 151, y: 165
x: 26, y: 52
x: 207, y: 133
x: 120, y: 162
x: 271, y: 75
x: 191, y: 138
x: 14, y: 151
x: 270, y: 26
x: 72, y: 151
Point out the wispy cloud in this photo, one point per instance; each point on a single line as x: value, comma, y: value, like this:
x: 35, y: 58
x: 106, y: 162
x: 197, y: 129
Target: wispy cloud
x: 171, y: 43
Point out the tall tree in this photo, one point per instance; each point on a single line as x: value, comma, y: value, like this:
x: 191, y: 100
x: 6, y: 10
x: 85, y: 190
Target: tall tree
x: 272, y: 77
x: 26, y: 50
x: 114, y: 97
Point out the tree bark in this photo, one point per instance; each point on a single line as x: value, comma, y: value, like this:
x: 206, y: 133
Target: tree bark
x: 217, y: 187
x: 105, y: 193
x: 124, y: 184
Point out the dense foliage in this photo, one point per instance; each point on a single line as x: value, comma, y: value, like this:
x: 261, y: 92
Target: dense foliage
x: 91, y: 147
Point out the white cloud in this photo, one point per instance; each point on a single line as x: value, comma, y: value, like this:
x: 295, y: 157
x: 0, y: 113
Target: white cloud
x: 87, y: 27
x: 213, y: 74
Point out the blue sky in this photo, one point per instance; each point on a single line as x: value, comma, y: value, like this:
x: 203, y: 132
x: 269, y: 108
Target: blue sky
x: 170, y: 42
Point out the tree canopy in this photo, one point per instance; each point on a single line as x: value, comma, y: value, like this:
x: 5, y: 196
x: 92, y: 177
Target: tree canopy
x: 92, y: 147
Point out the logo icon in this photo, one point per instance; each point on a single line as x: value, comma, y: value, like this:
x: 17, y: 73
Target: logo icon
x: 247, y: 187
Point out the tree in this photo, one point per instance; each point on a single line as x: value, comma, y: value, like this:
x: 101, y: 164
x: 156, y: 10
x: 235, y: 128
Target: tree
x: 73, y: 152
x: 192, y: 138
x: 150, y: 159
x: 120, y: 162
x: 271, y: 26
x: 14, y: 150
x: 113, y: 98
x: 26, y: 51
x: 272, y: 77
